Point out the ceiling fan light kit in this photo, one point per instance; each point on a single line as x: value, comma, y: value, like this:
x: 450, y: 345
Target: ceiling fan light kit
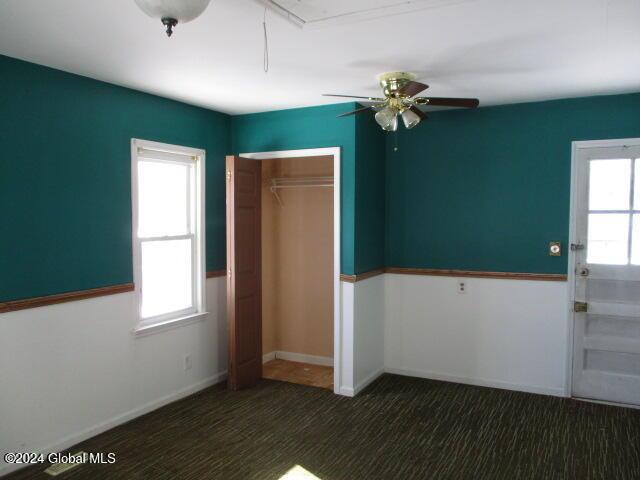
x: 387, y: 119
x: 400, y: 90
x: 173, y: 12
x: 410, y: 119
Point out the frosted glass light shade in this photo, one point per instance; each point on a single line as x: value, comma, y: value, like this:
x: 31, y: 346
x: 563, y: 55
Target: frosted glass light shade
x: 181, y: 10
x: 387, y: 119
x: 410, y: 119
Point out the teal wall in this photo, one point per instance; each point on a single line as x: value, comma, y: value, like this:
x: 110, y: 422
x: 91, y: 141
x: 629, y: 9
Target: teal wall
x: 65, y: 182
x: 488, y: 189
x: 314, y: 127
x: 370, y: 195
x: 362, y: 168
x: 475, y: 190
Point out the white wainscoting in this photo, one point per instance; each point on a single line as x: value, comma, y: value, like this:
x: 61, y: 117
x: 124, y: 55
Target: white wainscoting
x: 369, y: 297
x: 344, y: 342
x: 73, y: 370
x: 508, y: 334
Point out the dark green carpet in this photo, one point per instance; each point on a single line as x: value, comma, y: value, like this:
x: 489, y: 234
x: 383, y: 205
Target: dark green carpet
x: 399, y: 428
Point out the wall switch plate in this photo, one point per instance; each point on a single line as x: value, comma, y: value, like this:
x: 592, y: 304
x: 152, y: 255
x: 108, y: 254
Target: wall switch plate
x: 187, y: 362
x: 462, y: 287
x: 554, y: 249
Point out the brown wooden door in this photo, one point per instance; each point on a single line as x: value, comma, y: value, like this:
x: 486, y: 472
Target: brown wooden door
x: 244, y: 272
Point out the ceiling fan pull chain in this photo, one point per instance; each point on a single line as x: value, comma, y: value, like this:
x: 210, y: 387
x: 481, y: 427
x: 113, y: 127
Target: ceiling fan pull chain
x: 265, y: 62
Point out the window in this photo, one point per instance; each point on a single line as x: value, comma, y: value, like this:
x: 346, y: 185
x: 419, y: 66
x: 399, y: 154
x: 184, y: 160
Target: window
x: 168, y: 207
x: 614, y: 212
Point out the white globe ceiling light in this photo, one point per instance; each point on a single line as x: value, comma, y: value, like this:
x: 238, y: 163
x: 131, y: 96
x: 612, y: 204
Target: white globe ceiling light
x: 172, y: 12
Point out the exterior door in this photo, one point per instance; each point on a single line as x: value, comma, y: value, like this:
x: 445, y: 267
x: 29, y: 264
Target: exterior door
x: 244, y: 277
x: 606, y: 359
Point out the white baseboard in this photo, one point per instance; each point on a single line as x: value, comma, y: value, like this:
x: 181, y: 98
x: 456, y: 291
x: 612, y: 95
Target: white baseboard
x: 83, y: 435
x: 346, y: 391
x: 369, y: 379
x: 352, y: 392
x: 480, y: 382
x: 267, y: 357
x: 298, y: 357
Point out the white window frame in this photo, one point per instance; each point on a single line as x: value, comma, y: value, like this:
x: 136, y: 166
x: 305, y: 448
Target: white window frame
x: 175, y: 154
x: 585, y: 152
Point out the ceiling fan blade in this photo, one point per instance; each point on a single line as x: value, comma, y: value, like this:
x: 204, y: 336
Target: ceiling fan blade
x: 417, y: 111
x: 412, y: 88
x: 371, y: 99
x: 448, y: 102
x: 353, y: 112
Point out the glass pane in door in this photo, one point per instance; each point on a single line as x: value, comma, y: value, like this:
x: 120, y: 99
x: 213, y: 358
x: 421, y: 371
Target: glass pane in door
x: 608, y: 238
x: 609, y: 184
x: 635, y: 240
x: 636, y: 189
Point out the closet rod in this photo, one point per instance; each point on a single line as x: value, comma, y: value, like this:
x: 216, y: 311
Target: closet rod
x: 298, y: 182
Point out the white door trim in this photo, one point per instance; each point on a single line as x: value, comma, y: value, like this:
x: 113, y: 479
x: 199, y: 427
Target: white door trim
x: 576, y: 146
x: 337, y: 317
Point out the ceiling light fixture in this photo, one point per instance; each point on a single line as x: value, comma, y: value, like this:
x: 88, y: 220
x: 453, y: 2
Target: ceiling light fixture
x: 410, y: 118
x: 400, y: 90
x: 172, y: 12
x: 387, y: 118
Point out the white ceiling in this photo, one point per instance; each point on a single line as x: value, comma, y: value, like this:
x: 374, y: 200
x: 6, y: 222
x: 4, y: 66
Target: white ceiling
x: 501, y: 51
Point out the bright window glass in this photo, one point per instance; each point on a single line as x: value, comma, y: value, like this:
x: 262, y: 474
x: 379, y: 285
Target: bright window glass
x: 166, y: 277
x: 635, y: 236
x: 163, y: 198
x: 608, y: 238
x: 636, y: 189
x: 609, y: 184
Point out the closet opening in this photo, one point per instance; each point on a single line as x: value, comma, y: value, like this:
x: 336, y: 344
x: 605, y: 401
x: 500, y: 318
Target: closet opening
x: 297, y: 270
x: 283, y: 253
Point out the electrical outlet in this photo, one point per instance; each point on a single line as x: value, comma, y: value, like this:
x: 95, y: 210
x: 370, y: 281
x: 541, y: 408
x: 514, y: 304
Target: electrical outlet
x: 462, y: 287
x: 187, y: 362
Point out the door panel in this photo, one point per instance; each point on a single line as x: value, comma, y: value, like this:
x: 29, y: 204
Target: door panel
x: 606, y: 362
x: 244, y: 277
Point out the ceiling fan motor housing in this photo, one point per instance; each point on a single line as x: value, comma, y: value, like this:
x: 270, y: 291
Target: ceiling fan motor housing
x: 392, y: 82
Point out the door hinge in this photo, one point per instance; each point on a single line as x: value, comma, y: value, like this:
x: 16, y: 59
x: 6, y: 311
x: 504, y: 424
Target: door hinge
x: 576, y: 246
x: 228, y: 174
x: 580, y: 307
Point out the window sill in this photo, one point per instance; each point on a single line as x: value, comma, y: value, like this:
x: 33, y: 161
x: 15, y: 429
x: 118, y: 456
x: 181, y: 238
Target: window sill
x: 143, y: 331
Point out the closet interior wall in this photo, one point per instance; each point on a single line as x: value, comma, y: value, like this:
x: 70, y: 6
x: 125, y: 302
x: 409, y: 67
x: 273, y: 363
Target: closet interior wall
x: 297, y: 259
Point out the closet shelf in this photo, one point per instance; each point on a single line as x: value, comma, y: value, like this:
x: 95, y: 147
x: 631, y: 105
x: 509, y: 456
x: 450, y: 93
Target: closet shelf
x: 298, y: 182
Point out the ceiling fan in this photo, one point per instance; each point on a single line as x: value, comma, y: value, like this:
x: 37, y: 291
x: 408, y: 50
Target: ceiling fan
x: 400, y: 90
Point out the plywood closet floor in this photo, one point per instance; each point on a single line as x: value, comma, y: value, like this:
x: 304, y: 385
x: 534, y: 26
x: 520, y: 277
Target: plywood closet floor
x: 300, y: 373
